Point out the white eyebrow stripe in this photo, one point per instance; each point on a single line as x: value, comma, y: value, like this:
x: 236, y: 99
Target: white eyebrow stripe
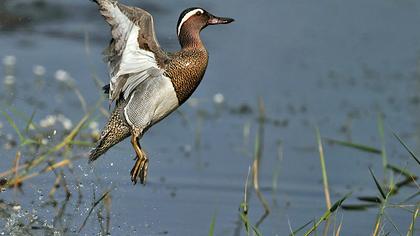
x: 187, y: 16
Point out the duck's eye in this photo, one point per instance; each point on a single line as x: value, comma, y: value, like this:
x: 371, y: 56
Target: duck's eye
x: 198, y: 13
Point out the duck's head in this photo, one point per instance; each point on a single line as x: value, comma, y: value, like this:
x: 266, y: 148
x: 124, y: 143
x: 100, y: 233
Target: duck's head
x: 193, y: 20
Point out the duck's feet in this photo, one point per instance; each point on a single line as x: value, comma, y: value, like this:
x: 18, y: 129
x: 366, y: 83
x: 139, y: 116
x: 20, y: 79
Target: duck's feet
x: 140, y: 169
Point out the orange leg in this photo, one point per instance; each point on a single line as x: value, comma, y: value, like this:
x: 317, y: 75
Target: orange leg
x: 141, y: 165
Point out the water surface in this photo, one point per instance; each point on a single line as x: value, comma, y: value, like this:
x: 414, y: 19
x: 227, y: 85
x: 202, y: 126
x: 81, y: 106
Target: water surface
x: 332, y: 64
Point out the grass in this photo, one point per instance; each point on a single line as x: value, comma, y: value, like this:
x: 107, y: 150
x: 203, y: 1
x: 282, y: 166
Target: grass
x: 381, y: 132
x: 49, y: 158
x: 259, y: 140
x: 104, y: 196
x: 358, y: 146
x: 57, y: 158
x: 323, y: 169
x: 324, y: 178
x: 212, y: 225
x: 243, y: 212
x: 412, y: 155
x: 50, y: 150
x: 410, y: 231
x: 326, y: 216
x: 26, y: 168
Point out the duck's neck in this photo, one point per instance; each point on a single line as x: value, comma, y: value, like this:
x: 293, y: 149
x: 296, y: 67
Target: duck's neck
x: 190, y: 39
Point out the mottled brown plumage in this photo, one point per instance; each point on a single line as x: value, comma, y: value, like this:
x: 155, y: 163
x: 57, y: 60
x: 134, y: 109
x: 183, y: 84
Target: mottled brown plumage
x: 114, y: 132
x: 188, y: 63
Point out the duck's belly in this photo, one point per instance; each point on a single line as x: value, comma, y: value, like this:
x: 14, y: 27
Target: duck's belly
x: 150, y: 102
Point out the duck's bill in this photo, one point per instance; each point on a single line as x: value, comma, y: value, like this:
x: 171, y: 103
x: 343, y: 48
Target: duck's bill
x: 215, y: 20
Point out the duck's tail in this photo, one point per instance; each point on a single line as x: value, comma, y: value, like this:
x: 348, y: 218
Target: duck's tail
x: 114, y: 132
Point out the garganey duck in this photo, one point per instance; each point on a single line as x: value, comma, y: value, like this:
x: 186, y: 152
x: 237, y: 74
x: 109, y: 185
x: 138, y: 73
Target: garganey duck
x: 147, y: 83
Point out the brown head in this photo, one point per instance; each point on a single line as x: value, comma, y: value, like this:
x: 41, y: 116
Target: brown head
x: 192, y: 21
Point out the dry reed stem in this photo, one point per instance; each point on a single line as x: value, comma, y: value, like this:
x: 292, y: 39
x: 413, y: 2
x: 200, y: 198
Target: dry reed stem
x: 55, y: 186
x: 22, y: 178
x: 337, y: 233
x: 410, y: 231
x: 257, y: 159
x: 37, y: 161
x: 16, y: 166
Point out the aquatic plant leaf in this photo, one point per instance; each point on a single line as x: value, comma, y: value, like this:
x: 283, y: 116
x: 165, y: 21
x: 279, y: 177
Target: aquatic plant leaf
x: 377, y: 184
x: 407, y: 148
x: 399, y: 170
x: 327, y: 214
x: 358, y: 207
x: 105, y: 194
x: 30, y: 122
x: 245, y: 219
x: 300, y: 228
x: 358, y: 146
x: 14, y: 126
x: 370, y: 199
x: 212, y: 225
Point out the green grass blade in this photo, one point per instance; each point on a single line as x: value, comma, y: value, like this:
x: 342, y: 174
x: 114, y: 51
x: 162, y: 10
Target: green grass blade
x: 357, y: 146
x: 384, y: 156
x: 248, y: 224
x: 14, y: 126
x: 406, y: 181
x: 323, y: 168
x: 407, y: 148
x: 392, y: 223
x: 382, y: 138
x: 358, y: 207
x: 379, y: 222
x: 327, y: 214
x: 212, y: 225
x: 370, y: 199
x: 412, y: 196
x: 30, y: 122
x: 339, y: 203
x: 377, y: 184
x: 411, y: 229
x: 401, y: 171
x: 300, y: 228
x: 104, y: 195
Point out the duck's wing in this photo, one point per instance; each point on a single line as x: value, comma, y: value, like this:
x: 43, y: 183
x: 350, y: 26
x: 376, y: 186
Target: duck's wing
x: 133, y: 54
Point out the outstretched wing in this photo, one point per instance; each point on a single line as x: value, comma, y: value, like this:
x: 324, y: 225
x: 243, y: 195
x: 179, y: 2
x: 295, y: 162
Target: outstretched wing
x: 134, y: 53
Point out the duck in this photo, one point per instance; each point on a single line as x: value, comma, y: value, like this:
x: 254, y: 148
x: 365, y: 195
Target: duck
x: 148, y: 83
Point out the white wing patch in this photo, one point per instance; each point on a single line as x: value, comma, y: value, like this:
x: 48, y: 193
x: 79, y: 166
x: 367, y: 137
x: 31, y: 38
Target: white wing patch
x: 138, y: 63
x: 187, y: 16
x: 133, y: 61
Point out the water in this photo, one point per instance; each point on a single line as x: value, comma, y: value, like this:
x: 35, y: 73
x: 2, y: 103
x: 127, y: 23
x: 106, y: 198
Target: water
x: 327, y: 63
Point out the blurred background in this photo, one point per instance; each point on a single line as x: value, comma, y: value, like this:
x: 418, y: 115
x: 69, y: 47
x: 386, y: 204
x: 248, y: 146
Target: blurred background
x: 280, y: 72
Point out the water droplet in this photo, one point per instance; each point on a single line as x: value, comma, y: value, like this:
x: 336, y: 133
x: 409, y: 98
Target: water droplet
x: 39, y: 70
x: 218, y: 98
x: 16, y: 207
